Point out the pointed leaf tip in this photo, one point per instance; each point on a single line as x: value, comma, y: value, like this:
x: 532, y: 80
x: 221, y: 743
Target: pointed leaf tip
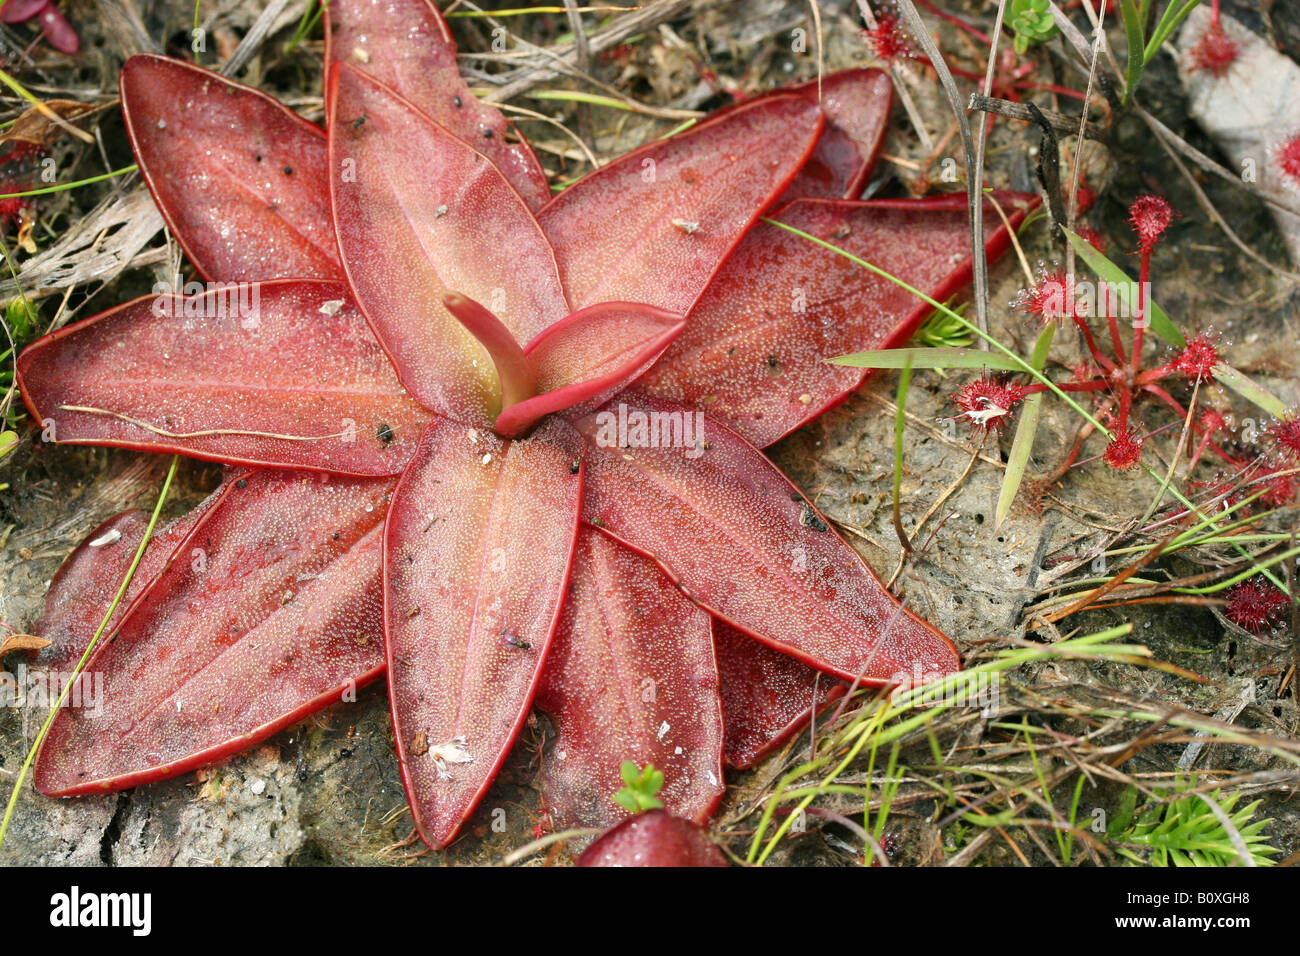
x: 767, y: 696
x: 857, y: 104
x: 479, y: 542
x: 405, y: 44
x: 267, y: 185
x: 631, y: 681
x: 654, y: 225
x: 740, y: 540
x: 766, y: 378
x: 273, y: 613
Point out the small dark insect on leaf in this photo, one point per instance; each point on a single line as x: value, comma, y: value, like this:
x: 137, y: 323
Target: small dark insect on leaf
x: 807, y: 517
x: 575, y: 467
x: 456, y: 101
x: 511, y: 641
x: 241, y: 483
x: 360, y: 121
x: 384, y: 432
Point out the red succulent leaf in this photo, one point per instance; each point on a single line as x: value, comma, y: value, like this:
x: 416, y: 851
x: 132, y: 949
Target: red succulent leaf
x: 740, y: 540
x: 420, y: 214
x: 282, y: 373
x: 478, y: 547
x: 856, y: 103
x: 269, y: 612
x: 655, y: 224
x: 755, y: 347
x: 587, y: 356
x: 91, y: 575
x: 16, y: 11
x: 252, y: 206
x: 767, y: 697
x: 405, y: 44
x: 631, y: 677
x: 58, y: 30
x: 653, y: 839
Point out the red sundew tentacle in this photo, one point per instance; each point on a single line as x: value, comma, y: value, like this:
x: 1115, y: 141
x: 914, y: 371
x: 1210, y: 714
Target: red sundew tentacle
x: 1178, y: 408
x: 1140, y: 320
x: 1096, y: 352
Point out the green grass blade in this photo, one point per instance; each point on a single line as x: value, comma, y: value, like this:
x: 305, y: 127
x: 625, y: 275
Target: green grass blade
x: 90, y: 648
x: 574, y: 96
x: 1136, y: 36
x: 924, y: 357
x: 900, y: 423
x: 1026, y: 428
x: 1125, y: 288
x: 1249, y: 389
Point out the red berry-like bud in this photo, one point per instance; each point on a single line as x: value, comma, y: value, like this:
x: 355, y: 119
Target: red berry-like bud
x: 1052, y: 299
x: 1150, y: 216
x: 1198, y: 359
x: 888, y: 37
x: 1255, y: 604
x: 987, y: 402
x: 1213, y: 422
x: 1215, y: 51
x: 1125, y: 449
x: 1285, y: 435
x: 1279, y: 490
x: 1286, y: 156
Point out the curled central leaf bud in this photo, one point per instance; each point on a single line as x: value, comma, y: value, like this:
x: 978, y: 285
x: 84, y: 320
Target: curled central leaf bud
x: 513, y: 370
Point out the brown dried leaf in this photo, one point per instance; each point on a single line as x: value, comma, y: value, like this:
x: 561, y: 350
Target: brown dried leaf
x: 38, y: 124
x: 22, y: 642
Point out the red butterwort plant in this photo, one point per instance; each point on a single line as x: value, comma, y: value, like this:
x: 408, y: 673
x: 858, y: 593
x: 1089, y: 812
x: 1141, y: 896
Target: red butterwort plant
x: 501, y: 447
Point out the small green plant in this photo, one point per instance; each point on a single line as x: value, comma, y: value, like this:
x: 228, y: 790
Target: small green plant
x: 943, y: 331
x: 21, y: 317
x: 640, y: 788
x: 1187, y: 832
x: 21, y: 321
x: 1143, y: 46
x: 1031, y: 20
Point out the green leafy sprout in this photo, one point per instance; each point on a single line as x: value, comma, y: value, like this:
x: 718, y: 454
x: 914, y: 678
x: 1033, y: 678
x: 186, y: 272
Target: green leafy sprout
x: 1032, y: 22
x: 942, y: 331
x: 640, y: 788
x: 1187, y: 831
